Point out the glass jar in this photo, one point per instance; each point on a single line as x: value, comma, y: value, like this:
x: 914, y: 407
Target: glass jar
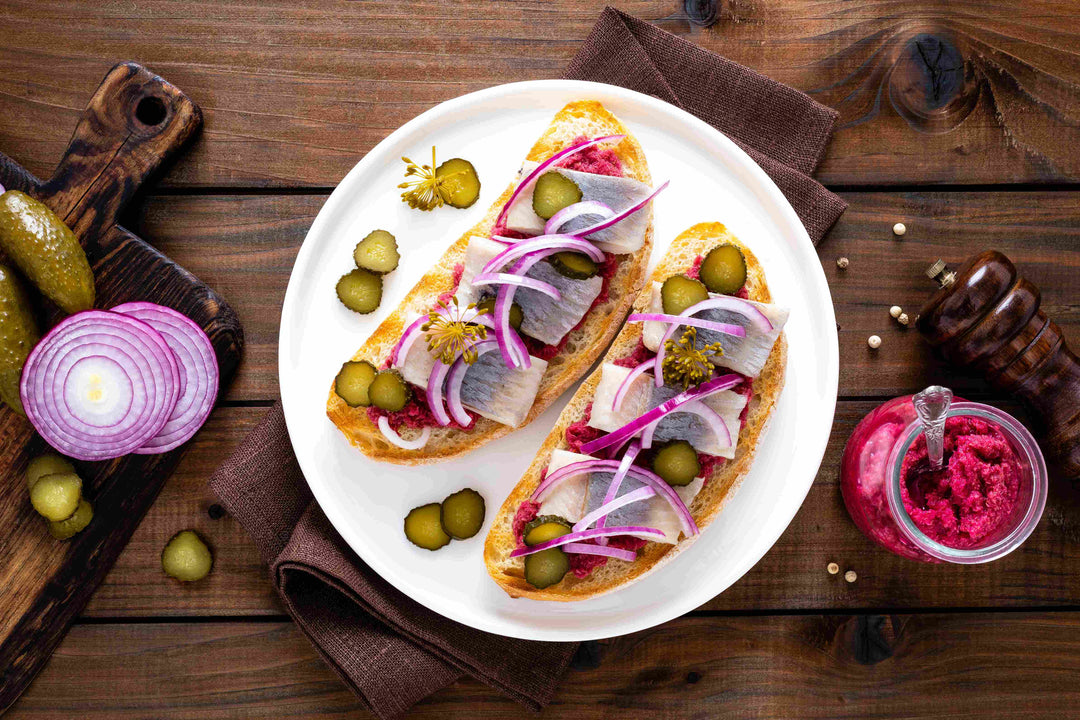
x: 871, y: 476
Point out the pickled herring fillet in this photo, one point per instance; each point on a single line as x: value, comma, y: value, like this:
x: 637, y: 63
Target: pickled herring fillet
x: 544, y: 318
x: 499, y: 393
x: 643, y: 395
x: 618, y: 193
x: 746, y: 355
x: 575, y: 497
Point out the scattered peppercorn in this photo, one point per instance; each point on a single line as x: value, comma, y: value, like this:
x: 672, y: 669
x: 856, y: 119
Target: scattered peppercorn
x: 899, y: 229
x: 895, y: 311
x: 833, y: 568
x: 903, y: 319
x: 850, y: 576
x: 842, y: 263
x: 874, y: 342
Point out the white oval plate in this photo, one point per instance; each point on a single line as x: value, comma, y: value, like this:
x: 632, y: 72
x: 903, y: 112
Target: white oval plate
x: 711, y: 179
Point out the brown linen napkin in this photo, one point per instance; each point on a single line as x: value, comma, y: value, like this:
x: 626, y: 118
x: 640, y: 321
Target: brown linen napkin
x: 782, y: 129
x: 388, y: 649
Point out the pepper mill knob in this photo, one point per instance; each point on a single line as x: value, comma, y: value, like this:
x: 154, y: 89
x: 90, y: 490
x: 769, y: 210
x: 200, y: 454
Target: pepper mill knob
x: 986, y: 317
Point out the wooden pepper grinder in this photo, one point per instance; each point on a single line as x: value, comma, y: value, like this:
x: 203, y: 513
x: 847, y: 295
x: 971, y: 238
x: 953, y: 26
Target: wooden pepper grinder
x: 986, y: 317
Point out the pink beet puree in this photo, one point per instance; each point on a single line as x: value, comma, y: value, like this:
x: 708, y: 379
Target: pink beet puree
x: 594, y: 159
x: 973, y: 497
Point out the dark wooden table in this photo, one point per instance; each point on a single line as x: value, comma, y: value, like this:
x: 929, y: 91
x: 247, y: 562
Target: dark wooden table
x: 961, y: 119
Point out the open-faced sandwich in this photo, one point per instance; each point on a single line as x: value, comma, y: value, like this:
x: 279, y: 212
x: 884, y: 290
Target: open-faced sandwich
x: 656, y: 439
x: 517, y: 309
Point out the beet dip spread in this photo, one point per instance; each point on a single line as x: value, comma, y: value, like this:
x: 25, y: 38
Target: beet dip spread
x: 973, y: 496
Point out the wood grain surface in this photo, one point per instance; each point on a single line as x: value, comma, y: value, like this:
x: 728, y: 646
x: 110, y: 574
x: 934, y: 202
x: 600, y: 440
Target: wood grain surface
x: 980, y: 98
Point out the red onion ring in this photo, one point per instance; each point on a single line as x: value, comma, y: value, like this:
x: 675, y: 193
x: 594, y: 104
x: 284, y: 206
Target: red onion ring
x: 610, y: 506
x: 456, y: 377
x: 587, y: 549
x: 699, y: 408
x: 635, y: 530
x: 568, y: 213
x: 543, y: 242
x: 84, y: 360
x: 395, y: 439
x: 531, y: 177
x: 520, y: 281
x: 510, y: 344
x: 198, y: 367
x: 435, y: 392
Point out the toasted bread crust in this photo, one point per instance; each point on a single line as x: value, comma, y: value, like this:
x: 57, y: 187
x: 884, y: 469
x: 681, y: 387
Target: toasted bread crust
x: 509, y: 572
x: 583, y: 345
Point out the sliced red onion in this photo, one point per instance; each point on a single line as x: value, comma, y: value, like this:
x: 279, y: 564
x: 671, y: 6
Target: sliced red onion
x: 513, y: 349
x: 616, y: 481
x: 568, y: 213
x: 435, y: 392
x: 634, y: 530
x: 198, y: 373
x: 518, y: 280
x: 646, y: 476
x: 619, y: 217
x: 100, y: 385
x: 642, y: 493
x: 395, y: 439
x: 587, y: 549
x: 456, y: 377
x: 679, y: 320
x: 724, y: 382
x: 620, y: 394
x: 543, y: 242
x: 699, y: 408
x: 539, y: 170
x: 408, y: 338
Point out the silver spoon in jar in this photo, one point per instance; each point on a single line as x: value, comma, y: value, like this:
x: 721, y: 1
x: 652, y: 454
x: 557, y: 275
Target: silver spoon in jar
x: 932, y: 407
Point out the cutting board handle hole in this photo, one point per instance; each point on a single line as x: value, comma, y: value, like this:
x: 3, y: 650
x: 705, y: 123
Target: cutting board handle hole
x: 151, y: 111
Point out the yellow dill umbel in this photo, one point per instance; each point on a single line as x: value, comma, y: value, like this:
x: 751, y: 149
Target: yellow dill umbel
x: 686, y: 363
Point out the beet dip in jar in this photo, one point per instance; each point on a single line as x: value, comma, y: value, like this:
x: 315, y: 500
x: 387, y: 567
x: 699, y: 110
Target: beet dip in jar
x: 983, y: 502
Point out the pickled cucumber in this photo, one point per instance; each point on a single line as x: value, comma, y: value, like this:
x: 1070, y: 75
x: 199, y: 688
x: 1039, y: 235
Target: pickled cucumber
x: 18, y: 335
x: 56, y: 497
x: 423, y: 527
x: 389, y: 391
x: 461, y: 187
x: 377, y: 252
x: 677, y: 463
x: 352, y: 383
x: 360, y: 291
x: 46, y: 251
x: 73, y: 525
x: 547, y: 567
x: 49, y: 464
x: 552, y: 192
x: 463, y: 514
x: 545, y: 531
x: 724, y: 269
x: 680, y: 292
x: 575, y: 265
x: 186, y: 557
x: 516, y: 314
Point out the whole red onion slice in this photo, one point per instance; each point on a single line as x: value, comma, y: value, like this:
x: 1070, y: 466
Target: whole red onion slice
x: 199, y: 375
x: 100, y: 385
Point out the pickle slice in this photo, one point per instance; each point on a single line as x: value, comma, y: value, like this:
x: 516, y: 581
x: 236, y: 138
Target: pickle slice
x: 575, y: 265
x: 18, y: 336
x: 48, y: 464
x: 680, y: 292
x: 352, y: 382
x: 516, y: 314
x: 73, y: 525
x: 545, y: 568
x: 389, y: 391
x: 545, y: 531
x: 677, y: 463
x: 463, y: 514
x: 423, y: 527
x: 186, y: 557
x: 46, y: 251
x: 360, y: 291
x: 56, y: 497
x: 552, y: 192
x: 461, y: 188
x: 724, y: 269
x: 377, y: 252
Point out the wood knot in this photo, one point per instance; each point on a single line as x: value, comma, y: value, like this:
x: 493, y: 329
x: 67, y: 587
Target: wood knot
x: 870, y: 638
x: 702, y: 12
x: 931, y: 85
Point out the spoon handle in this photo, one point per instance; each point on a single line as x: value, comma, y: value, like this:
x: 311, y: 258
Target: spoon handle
x: 932, y: 407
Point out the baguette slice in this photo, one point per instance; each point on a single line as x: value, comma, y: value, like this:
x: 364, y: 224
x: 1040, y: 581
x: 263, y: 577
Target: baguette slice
x: 583, y: 345
x: 509, y: 572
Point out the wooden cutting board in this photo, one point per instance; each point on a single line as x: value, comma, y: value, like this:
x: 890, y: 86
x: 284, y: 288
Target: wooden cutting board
x: 132, y: 125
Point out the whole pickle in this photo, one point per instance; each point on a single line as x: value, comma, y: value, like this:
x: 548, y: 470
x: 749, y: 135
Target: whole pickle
x: 18, y: 335
x: 46, y: 251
